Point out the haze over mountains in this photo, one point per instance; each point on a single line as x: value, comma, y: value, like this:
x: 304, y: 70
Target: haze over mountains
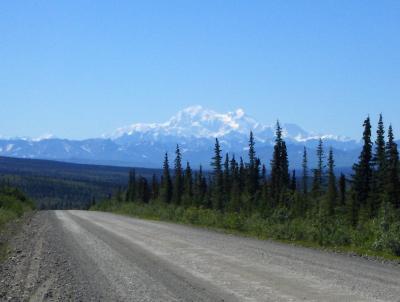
x: 194, y: 129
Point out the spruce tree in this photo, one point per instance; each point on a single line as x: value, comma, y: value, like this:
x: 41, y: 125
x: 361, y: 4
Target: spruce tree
x: 234, y: 204
x: 293, y: 182
x: 154, y: 187
x: 253, y: 174
x: 362, y: 177
x: 379, y: 171
x: 178, y: 178
x: 305, y: 172
x: 342, y: 189
x: 217, y: 182
x: 242, y: 175
x: 131, y: 192
x: 279, y: 168
x: 317, y: 188
x: 187, y: 196
x: 380, y: 154
x: 199, y: 188
x: 392, y: 187
x: 226, y: 178
x: 332, y: 187
x: 143, y: 190
x: 166, y: 183
x: 263, y: 174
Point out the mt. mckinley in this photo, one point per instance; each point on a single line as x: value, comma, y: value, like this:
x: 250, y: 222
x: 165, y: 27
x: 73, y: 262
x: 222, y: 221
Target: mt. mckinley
x: 194, y: 129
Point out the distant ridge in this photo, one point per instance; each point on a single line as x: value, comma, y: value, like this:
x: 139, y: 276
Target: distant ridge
x: 194, y: 129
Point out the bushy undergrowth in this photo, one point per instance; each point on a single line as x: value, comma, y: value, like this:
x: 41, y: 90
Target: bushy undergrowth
x: 13, y: 204
x: 380, y: 236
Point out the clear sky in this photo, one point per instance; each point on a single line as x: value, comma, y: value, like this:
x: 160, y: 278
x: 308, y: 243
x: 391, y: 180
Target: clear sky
x: 78, y: 69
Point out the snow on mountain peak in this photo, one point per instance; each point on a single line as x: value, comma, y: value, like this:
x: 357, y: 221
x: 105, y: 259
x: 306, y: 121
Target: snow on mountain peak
x: 199, y: 122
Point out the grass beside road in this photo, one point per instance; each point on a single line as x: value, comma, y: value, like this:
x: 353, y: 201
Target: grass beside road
x: 369, y: 239
x: 13, y: 205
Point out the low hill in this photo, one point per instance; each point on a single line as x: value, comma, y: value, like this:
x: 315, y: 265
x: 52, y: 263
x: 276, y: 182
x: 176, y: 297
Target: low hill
x: 54, y: 184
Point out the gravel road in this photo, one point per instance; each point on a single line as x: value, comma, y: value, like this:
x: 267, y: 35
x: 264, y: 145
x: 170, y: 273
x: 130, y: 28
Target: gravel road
x: 93, y: 256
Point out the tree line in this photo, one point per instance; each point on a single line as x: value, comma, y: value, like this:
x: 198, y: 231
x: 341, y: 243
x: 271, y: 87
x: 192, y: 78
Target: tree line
x: 248, y: 186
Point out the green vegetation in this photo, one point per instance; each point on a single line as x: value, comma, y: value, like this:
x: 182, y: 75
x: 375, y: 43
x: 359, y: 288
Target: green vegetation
x: 58, y: 185
x: 13, y: 204
x: 360, y: 214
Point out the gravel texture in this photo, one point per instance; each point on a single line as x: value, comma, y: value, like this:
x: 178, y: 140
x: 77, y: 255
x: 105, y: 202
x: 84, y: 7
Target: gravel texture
x: 93, y: 256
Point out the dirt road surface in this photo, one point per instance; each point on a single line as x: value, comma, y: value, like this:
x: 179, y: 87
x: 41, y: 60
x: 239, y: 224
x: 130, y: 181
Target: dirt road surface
x: 94, y: 256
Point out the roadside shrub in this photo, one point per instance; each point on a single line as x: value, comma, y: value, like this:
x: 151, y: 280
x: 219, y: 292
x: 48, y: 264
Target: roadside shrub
x: 233, y: 221
x: 6, y: 216
x: 209, y: 218
x: 191, y: 216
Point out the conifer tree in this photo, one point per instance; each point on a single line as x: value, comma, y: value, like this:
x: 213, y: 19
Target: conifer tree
x: 187, y: 196
x: 379, y: 170
x: 279, y: 168
x: 332, y: 187
x: 166, y: 183
x: 143, y: 192
x: 199, y: 188
x: 317, y: 188
x: 233, y: 166
x: 392, y: 176
x: 226, y: 178
x: 263, y: 174
x: 305, y: 172
x: 178, y: 178
x: 342, y: 189
x: 131, y: 192
x: 242, y: 175
x: 253, y: 175
x: 154, y: 187
x: 285, y: 177
x: 217, y: 182
x: 234, y: 204
x: 362, y: 175
x: 380, y: 154
x: 293, y: 182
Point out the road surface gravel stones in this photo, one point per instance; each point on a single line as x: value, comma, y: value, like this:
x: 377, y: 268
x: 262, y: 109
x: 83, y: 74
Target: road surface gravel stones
x: 94, y: 256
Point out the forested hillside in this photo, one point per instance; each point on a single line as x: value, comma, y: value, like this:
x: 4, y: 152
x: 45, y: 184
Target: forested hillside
x: 61, y: 185
x: 268, y: 200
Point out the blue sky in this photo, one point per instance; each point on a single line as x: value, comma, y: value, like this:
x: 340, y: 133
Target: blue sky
x: 79, y: 69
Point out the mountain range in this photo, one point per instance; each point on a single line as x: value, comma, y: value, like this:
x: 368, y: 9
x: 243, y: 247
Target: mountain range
x: 194, y: 129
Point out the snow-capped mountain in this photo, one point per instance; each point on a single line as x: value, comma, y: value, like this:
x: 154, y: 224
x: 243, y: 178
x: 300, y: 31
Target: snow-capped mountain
x: 194, y: 129
x: 197, y: 122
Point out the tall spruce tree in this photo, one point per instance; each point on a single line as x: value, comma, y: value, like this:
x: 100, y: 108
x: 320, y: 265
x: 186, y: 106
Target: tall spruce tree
x: 199, y: 188
x: 187, y: 196
x: 227, y: 182
x: 166, y: 183
x: 143, y: 190
x: 217, y: 182
x: 362, y: 177
x: 293, y: 182
x: 318, y: 178
x: 131, y: 192
x: 234, y: 204
x: 342, y: 189
x: 263, y: 174
x: 332, y: 187
x: 178, y: 178
x: 379, y: 172
x: 392, y: 187
x: 242, y: 175
x: 305, y: 172
x: 380, y: 153
x: 253, y: 173
x: 154, y: 187
x: 279, y: 168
